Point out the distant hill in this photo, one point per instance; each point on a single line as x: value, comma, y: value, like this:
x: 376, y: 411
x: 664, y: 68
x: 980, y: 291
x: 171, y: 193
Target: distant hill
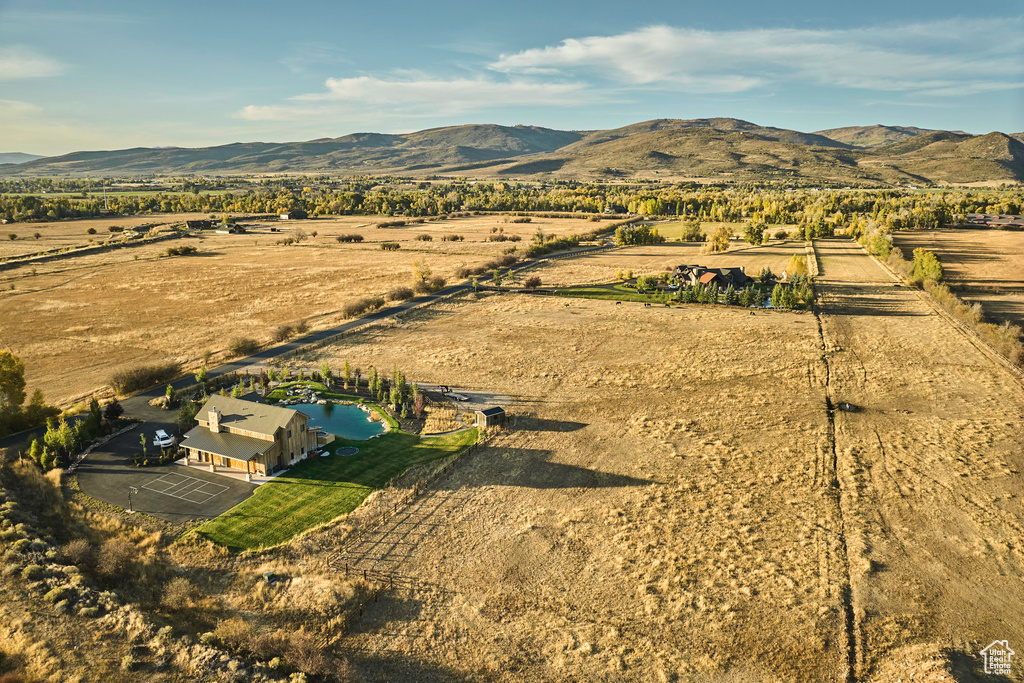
x: 17, y: 157
x: 719, y: 149
x: 872, y: 136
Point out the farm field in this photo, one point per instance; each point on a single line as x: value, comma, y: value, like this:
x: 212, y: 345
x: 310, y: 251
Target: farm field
x: 667, y: 509
x: 649, y: 514
x: 75, y: 233
x: 76, y: 321
x: 602, y: 267
x: 983, y: 265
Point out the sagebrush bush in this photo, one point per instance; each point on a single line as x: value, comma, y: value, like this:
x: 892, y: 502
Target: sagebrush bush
x: 360, y: 306
x: 243, y: 346
x: 282, y: 333
x: 143, y: 377
x: 349, y: 238
x: 390, y: 246
x: 399, y: 294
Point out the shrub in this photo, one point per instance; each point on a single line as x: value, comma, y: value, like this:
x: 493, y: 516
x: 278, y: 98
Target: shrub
x: 399, y: 294
x: 302, y: 327
x: 360, y: 306
x: 33, y: 572
x: 424, y: 238
x: 181, y: 251
x: 59, y: 594
x: 178, y: 593
x: 78, y: 552
x: 390, y: 246
x: 143, y: 377
x: 349, y: 238
x: 39, y: 234
x: 520, y: 219
x: 532, y: 282
x: 437, y: 282
x: 452, y: 238
x: 781, y: 234
x: 115, y: 228
x: 391, y: 224
x: 282, y: 333
x: 91, y: 231
x: 115, y: 557
x: 243, y: 346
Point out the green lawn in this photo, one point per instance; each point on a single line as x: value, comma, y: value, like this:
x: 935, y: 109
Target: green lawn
x: 617, y: 293
x: 319, y: 489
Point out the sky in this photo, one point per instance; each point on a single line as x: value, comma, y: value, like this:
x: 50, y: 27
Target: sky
x: 108, y: 74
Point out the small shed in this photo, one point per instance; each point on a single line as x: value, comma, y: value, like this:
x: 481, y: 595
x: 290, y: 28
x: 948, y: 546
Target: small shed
x: 490, y: 417
x: 294, y: 214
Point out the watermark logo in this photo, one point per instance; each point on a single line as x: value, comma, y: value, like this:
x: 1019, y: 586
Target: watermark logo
x: 997, y: 657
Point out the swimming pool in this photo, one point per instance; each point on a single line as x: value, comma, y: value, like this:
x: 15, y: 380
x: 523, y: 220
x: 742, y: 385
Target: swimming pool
x: 345, y: 421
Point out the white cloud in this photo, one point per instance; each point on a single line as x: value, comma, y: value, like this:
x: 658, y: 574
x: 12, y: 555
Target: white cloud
x: 965, y: 57
x: 15, y: 109
x: 411, y: 96
x: 22, y: 62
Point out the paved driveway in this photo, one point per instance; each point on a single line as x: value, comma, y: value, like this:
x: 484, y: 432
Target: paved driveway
x: 172, y: 492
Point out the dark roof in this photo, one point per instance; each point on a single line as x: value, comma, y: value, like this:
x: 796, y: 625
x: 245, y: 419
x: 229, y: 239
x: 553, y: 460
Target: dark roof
x: 233, y: 446
x: 491, y: 412
x: 247, y: 415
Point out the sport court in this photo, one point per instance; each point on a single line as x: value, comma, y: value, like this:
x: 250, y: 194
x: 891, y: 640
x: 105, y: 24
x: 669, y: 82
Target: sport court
x: 186, y: 488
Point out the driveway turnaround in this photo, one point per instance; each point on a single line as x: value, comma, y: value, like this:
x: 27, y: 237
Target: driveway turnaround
x: 172, y: 492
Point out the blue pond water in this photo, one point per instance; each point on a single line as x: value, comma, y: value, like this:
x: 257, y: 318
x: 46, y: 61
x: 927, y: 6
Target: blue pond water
x: 348, y: 422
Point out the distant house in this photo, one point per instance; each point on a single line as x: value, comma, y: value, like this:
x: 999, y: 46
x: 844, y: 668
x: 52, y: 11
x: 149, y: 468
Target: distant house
x: 723, y: 277
x: 490, y: 417
x: 253, y: 438
x: 995, y: 220
x: 294, y: 214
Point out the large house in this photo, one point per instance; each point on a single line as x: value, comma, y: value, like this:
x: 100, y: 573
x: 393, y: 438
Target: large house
x: 249, y: 437
x: 995, y: 220
x: 723, y: 277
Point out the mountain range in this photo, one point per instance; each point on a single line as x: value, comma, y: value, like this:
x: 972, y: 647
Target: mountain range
x: 716, y: 149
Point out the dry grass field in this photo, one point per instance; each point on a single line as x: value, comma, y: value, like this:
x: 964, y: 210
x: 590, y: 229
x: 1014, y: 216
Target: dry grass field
x: 930, y: 474
x: 75, y: 321
x: 673, y: 501
x: 657, y: 510
x: 982, y: 265
x: 603, y: 266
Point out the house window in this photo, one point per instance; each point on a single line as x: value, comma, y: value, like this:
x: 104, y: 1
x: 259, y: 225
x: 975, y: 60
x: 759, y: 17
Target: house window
x: 289, y: 433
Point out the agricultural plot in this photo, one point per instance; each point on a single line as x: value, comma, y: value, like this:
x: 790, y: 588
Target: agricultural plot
x: 676, y: 500
x: 75, y: 321
x: 602, y: 267
x: 986, y: 266
x: 654, y: 511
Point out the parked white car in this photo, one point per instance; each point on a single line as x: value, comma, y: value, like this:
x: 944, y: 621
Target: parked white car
x: 162, y: 439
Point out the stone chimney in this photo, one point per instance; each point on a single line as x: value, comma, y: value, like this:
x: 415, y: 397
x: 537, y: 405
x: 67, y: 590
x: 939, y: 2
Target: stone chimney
x: 214, y: 420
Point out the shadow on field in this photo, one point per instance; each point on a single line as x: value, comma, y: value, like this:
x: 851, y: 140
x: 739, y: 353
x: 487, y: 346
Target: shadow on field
x: 968, y: 666
x: 537, y: 424
x: 529, y: 468
x: 880, y: 300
